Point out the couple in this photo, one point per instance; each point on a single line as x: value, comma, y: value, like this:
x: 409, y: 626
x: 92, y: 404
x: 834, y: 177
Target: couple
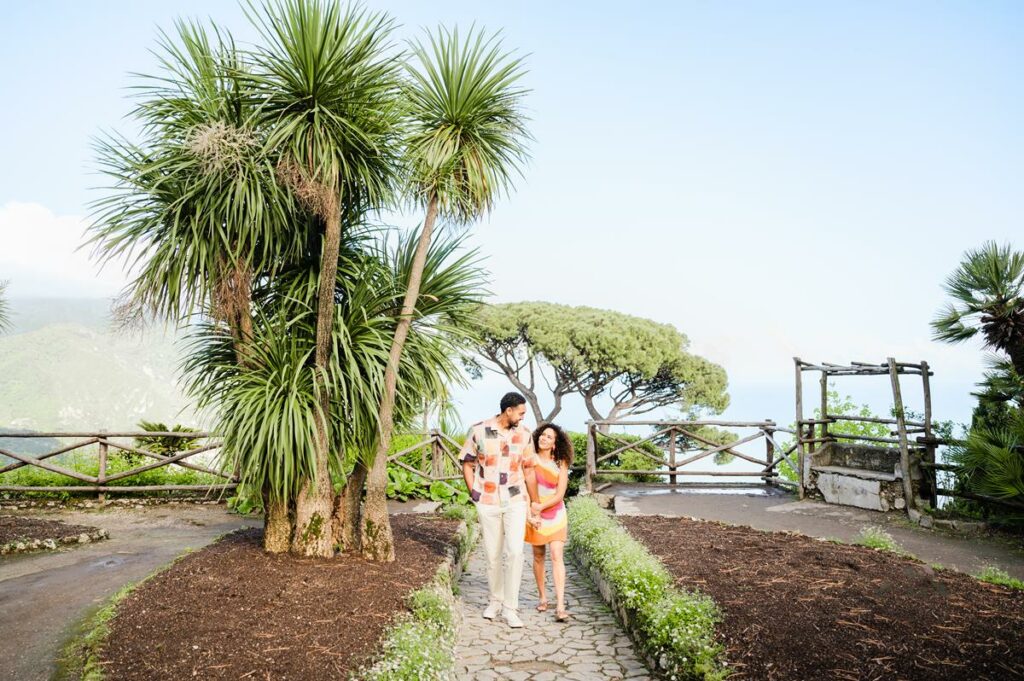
x: 517, y: 481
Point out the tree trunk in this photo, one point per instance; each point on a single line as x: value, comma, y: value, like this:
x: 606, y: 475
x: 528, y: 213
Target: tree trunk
x: 377, y: 541
x: 277, y: 527
x: 314, y: 508
x: 588, y: 400
x: 346, y: 510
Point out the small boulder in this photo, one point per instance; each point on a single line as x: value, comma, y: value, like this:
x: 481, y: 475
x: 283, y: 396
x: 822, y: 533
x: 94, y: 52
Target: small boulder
x: 84, y: 538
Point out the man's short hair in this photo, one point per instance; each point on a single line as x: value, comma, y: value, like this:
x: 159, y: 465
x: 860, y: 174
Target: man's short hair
x: 511, y: 400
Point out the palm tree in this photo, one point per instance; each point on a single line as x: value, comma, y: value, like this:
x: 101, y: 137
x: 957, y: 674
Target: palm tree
x: 5, y: 308
x: 196, y: 205
x: 465, y: 140
x: 327, y: 84
x: 988, y: 298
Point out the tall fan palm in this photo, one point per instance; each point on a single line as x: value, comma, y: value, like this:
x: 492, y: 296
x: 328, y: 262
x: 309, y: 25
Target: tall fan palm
x: 327, y: 82
x: 988, y: 298
x: 465, y: 140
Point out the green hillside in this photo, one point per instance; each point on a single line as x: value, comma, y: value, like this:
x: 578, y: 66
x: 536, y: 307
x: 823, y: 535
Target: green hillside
x: 63, y: 368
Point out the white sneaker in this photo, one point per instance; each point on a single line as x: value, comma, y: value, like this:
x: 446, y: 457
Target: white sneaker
x: 492, y: 611
x: 512, y: 617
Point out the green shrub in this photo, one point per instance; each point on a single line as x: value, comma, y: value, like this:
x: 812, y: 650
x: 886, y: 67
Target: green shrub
x: 674, y: 627
x: 994, y: 575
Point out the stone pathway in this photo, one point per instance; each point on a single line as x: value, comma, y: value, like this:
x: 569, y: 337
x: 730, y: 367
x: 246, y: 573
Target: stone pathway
x: 591, y: 645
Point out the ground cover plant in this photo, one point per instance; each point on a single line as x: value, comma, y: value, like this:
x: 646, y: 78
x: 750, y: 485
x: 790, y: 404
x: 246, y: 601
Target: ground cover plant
x: 234, y: 608
x: 797, y: 608
x: 674, y: 626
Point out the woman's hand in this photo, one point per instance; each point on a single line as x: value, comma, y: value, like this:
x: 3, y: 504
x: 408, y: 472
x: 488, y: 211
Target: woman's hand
x: 535, y: 508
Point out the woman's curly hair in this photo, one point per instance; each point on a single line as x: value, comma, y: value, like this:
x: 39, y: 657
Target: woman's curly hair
x: 563, y: 451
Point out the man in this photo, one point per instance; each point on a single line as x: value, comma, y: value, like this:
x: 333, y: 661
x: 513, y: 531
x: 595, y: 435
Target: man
x: 497, y: 463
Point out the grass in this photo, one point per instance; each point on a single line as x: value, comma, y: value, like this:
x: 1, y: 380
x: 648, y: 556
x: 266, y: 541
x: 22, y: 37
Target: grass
x: 879, y: 540
x: 994, y: 575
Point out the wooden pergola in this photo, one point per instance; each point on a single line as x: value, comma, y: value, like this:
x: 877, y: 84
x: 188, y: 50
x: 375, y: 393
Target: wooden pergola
x: 808, y: 440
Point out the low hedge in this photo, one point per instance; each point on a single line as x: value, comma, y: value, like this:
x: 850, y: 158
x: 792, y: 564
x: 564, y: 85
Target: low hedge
x: 674, y: 629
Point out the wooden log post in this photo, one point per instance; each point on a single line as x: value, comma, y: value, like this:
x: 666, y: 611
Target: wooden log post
x: 672, y: 455
x: 769, y: 451
x: 799, y: 426
x: 901, y: 426
x: 591, y: 471
x: 436, y: 456
x: 931, y: 450
x: 824, y: 407
x: 101, y: 477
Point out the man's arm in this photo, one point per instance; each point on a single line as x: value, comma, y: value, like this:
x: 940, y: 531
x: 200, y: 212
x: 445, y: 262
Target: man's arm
x: 468, y: 458
x: 468, y: 474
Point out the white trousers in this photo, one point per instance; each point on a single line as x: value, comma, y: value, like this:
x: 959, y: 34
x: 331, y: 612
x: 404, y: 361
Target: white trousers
x: 503, y: 531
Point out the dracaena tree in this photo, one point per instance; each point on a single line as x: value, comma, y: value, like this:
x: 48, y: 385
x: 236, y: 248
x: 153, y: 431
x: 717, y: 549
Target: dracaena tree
x: 465, y: 139
x: 194, y: 206
x: 328, y: 82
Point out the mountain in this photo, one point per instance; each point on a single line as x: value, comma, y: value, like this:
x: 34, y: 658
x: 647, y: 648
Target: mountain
x: 63, y: 367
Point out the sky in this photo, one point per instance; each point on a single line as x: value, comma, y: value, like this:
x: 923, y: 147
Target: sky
x: 775, y: 179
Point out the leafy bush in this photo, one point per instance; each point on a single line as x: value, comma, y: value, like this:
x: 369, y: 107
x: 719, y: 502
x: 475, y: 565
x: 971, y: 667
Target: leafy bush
x: 675, y: 627
x: 991, y: 460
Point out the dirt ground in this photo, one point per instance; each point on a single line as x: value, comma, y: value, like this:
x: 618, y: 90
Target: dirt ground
x: 800, y: 608
x: 231, y: 611
x: 14, y: 527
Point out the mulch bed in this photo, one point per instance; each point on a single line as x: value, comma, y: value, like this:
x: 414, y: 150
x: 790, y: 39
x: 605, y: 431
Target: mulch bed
x: 799, y: 608
x: 15, y: 528
x: 231, y: 611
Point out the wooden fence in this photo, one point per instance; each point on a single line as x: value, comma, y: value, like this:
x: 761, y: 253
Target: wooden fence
x: 101, y: 482
x: 680, y: 443
x: 438, y: 458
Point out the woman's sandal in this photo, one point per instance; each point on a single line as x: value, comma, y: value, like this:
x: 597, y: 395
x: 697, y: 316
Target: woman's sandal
x: 542, y: 606
x: 562, y: 615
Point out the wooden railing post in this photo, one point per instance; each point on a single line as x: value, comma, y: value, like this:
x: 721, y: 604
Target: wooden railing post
x: 591, y: 471
x: 901, y: 426
x: 101, y: 481
x: 769, y: 451
x: 436, y: 456
x: 799, y: 426
x: 672, y: 455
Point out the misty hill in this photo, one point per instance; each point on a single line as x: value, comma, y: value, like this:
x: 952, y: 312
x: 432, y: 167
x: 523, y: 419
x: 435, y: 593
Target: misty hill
x: 63, y: 367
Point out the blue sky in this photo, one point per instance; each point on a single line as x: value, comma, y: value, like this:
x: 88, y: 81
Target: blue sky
x: 773, y: 178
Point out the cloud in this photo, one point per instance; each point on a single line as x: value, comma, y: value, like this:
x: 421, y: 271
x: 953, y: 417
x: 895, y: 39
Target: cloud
x: 40, y: 255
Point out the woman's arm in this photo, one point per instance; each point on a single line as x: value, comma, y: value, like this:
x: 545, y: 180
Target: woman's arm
x: 563, y: 484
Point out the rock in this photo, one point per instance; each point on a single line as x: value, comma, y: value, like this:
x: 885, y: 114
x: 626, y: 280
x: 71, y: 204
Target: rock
x: 102, y: 534
x: 20, y: 546
x: 88, y: 504
x: 943, y: 524
x: 914, y: 515
x: 968, y: 526
x: 900, y: 503
x: 84, y: 538
x: 50, y: 544
x: 926, y: 521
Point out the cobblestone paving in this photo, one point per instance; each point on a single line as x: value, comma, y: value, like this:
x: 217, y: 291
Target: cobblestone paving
x: 591, y: 645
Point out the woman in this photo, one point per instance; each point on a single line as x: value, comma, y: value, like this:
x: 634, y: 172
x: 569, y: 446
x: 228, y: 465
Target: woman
x: 547, y: 526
